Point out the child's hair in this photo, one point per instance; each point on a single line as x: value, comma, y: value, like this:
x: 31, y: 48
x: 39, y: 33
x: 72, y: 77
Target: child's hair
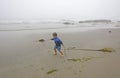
x: 54, y: 34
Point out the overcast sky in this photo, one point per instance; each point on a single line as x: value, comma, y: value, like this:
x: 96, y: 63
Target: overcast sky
x: 60, y: 9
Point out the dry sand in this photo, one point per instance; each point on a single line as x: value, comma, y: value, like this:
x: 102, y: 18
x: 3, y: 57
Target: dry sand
x: 22, y: 56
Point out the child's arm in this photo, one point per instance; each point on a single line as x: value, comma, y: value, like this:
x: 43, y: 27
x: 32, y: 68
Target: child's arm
x: 52, y: 39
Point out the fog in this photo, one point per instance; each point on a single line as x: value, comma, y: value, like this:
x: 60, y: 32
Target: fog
x: 60, y: 9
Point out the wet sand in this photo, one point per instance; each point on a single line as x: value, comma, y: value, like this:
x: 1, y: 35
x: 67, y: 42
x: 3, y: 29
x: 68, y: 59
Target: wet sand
x: 23, y: 56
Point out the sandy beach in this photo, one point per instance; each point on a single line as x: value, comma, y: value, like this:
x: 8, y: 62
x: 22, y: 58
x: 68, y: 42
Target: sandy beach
x: 89, y: 30
x: 23, y: 56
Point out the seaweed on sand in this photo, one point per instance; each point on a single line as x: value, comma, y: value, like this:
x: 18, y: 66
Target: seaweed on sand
x: 75, y: 60
x: 84, y: 59
x: 107, y: 50
x: 52, y: 71
x: 41, y: 40
x: 103, y: 50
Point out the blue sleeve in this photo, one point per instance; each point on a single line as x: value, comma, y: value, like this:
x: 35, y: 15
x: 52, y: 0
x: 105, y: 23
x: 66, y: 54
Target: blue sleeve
x: 52, y: 38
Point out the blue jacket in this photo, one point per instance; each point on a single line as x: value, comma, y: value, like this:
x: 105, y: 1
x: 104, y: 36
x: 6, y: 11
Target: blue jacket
x: 57, y: 41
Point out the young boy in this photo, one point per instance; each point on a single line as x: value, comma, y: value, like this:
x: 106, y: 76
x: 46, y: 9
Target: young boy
x: 58, y: 43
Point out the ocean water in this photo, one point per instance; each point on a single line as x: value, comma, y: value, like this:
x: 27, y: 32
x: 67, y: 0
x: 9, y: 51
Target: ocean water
x: 53, y: 25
